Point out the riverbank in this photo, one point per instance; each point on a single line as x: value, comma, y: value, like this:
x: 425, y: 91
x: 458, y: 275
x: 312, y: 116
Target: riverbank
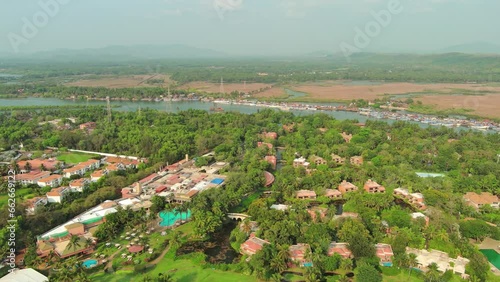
x: 247, y: 106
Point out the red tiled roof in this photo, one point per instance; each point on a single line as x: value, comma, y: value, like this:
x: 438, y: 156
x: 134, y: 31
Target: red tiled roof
x: 50, y: 178
x: 36, y: 164
x: 32, y: 175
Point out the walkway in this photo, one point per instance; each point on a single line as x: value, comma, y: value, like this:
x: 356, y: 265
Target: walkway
x: 110, y: 262
x: 160, y: 257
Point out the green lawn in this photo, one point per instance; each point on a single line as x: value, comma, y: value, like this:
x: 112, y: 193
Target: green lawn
x: 185, y: 270
x: 74, y: 158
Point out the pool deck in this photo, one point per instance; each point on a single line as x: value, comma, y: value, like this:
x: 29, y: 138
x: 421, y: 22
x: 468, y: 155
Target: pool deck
x: 491, y: 244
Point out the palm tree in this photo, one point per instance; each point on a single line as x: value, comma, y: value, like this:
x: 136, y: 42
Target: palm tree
x: 412, y: 262
x: 344, y: 278
x: 311, y: 275
x: 433, y: 273
x: 74, y: 242
x: 88, y: 243
x: 175, y: 240
x: 346, y: 264
x: 246, y: 226
x: 276, y: 277
x: 27, y: 166
x: 164, y: 277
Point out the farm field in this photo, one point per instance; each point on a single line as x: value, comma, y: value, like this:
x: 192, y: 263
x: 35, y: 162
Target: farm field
x: 228, y: 87
x: 343, y: 91
x: 486, y: 105
x: 121, y: 81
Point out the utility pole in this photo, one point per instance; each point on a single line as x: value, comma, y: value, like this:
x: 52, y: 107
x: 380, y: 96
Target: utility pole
x: 109, y: 108
x: 221, y: 89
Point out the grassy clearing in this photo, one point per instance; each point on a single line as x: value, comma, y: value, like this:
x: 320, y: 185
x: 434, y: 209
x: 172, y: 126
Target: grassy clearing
x: 74, y: 158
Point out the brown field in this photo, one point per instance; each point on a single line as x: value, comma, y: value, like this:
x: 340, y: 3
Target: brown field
x: 228, y: 87
x: 121, y: 82
x: 274, y: 92
x: 332, y: 91
x: 487, y: 105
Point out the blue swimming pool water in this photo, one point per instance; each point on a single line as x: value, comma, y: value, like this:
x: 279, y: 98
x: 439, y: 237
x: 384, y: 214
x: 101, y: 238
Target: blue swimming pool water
x: 493, y: 257
x: 168, y: 218
x: 308, y: 264
x: 388, y: 264
x: 217, y: 181
x: 89, y: 263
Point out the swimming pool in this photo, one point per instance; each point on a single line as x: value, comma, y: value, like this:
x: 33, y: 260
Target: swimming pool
x: 387, y: 264
x: 168, y: 218
x: 493, y: 257
x: 89, y: 263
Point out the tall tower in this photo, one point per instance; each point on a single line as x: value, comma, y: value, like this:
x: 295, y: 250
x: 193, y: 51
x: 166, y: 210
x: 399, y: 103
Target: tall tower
x: 221, y: 89
x: 109, y: 108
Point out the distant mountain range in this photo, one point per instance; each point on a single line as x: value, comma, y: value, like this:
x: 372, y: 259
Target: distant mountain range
x: 469, y: 48
x: 146, y: 52
x: 123, y: 53
x: 478, y: 47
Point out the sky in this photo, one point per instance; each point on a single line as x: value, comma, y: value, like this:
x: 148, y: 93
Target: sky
x: 249, y: 27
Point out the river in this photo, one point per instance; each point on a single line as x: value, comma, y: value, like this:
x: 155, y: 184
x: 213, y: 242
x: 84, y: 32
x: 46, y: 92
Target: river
x: 175, y: 106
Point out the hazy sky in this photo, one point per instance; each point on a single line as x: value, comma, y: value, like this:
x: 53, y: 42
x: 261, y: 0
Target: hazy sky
x: 246, y: 26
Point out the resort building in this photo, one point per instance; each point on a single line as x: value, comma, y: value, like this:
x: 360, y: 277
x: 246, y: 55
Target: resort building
x: 341, y: 249
x: 33, y: 204
x: 57, y: 195
x: 415, y: 199
x: 338, y: 159
x: 96, y: 175
x: 115, y: 167
x: 347, y: 137
x: 314, y: 212
x: 264, y: 144
x: 347, y: 215
x: 298, y: 162
x: 479, y: 200
x: 270, y: 135
x: 79, y: 185
x: 24, y: 275
x: 333, y: 194
x: 318, y: 160
x: 53, y: 180
x: 251, y: 246
x: 297, y: 254
x: 384, y: 253
x: 417, y: 215
x: 401, y: 192
x: 39, y: 165
x: 76, y: 170
x: 280, y: 207
x: 82, y: 168
x: 442, y: 259
x: 346, y: 187
x: 306, y: 194
x: 373, y: 187
x: 272, y: 160
x: 356, y: 160
x: 89, y: 126
x: 127, y: 162
x: 31, y: 177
